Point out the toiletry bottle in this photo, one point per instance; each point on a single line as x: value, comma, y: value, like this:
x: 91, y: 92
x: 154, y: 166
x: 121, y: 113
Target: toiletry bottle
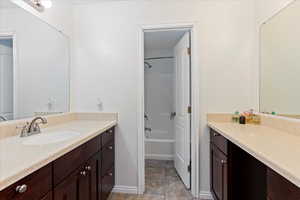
x: 249, y: 118
x: 242, y: 119
x: 235, y: 117
x: 256, y: 119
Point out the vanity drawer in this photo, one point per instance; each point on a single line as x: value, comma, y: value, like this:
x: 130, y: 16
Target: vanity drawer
x: 64, y: 166
x: 108, y: 182
x: 35, y: 186
x: 108, y: 157
x: 219, y: 141
x: 107, y: 137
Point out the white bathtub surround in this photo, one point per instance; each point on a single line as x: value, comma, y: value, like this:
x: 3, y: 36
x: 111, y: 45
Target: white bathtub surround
x: 159, y: 102
x: 32, y: 158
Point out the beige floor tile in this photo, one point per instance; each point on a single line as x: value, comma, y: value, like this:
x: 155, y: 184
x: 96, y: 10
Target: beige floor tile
x: 157, y: 187
x: 155, y: 173
x: 162, y: 183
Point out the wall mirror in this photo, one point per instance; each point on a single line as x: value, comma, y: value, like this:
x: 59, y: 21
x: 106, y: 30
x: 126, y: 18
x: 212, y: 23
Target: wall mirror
x: 280, y: 63
x: 34, y: 65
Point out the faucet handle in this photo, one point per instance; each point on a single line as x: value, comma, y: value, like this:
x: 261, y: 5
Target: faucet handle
x: 24, y: 128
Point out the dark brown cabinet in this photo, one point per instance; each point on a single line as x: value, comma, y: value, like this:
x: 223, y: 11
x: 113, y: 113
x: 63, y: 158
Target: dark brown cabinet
x: 279, y: 188
x: 67, y: 190
x: 108, y: 182
x: 219, y: 172
x: 80, y: 185
x: 33, y: 187
x: 48, y: 196
x: 237, y: 175
x: 78, y: 175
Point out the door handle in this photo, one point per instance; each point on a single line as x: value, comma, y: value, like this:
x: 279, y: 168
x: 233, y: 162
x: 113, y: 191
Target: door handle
x: 173, y: 115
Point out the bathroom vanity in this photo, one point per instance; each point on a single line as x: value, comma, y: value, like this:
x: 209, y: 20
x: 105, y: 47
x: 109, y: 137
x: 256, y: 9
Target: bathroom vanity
x: 241, y: 171
x: 82, y: 168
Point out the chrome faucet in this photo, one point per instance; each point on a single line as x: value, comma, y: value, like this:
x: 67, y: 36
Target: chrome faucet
x: 33, y: 127
x: 2, y: 118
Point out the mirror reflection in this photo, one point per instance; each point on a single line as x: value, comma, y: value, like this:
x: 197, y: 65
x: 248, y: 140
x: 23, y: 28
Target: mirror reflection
x: 280, y: 70
x: 34, y: 65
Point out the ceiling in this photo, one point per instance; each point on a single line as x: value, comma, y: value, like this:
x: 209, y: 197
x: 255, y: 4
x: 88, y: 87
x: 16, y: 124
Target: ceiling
x: 162, y: 39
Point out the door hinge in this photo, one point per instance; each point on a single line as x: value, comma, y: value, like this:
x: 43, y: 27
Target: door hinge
x: 189, y: 51
x: 190, y: 109
x: 189, y: 168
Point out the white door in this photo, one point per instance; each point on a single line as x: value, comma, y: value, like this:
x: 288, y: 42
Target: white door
x: 182, y: 103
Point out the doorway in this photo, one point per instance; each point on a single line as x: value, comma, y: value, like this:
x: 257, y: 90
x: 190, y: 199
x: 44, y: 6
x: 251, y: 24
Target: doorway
x: 192, y: 168
x: 6, y: 79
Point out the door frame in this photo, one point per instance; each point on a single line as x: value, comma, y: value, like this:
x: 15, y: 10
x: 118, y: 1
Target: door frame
x: 195, y: 103
x: 12, y: 35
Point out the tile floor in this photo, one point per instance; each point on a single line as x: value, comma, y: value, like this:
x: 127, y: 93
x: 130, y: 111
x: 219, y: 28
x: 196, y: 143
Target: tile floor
x: 162, y: 183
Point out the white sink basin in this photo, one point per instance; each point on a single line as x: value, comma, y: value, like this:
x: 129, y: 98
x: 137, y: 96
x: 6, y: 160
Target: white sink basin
x: 50, y: 138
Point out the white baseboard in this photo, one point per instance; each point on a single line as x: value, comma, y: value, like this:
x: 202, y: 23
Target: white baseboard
x: 205, y: 195
x: 159, y: 156
x: 125, y: 189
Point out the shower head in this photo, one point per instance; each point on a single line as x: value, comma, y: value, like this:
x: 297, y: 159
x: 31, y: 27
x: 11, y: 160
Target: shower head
x: 148, y: 65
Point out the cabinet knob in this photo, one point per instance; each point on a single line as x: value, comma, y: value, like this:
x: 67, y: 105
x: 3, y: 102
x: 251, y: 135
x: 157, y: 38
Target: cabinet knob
x: 223, y: 161
x: 216, y: 134
x: 110, y: 174
x: 21, y: 188
x: 88, y: 168
x: 83, y: 173
x: 110, y: 147
x: 110, y: 131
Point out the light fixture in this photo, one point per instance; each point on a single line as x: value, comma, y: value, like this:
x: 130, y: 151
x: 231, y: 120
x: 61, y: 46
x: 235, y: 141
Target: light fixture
x: 46, y: 3
x: 39, y: 5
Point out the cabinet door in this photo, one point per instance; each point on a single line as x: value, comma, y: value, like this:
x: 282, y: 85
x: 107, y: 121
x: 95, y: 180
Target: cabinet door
x: 91, y: 183
x: 48, y: 196
x: 81, y: 185
x: 279, y: 188
x: 88, y: 180
x: 68, y: 189
x: 219, y: 174
x: 108, y: 182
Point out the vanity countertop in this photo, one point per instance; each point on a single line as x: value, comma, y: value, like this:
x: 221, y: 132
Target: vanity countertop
x: 277, y: 149
x: 18, y: 160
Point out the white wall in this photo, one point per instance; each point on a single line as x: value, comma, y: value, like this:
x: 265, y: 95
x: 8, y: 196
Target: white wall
x: 267, y: 8
x: 59, y: 16
x: 106, y: 64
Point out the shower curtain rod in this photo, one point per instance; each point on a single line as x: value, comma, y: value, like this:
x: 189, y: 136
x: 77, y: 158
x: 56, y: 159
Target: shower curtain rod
x: 157, y: 58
